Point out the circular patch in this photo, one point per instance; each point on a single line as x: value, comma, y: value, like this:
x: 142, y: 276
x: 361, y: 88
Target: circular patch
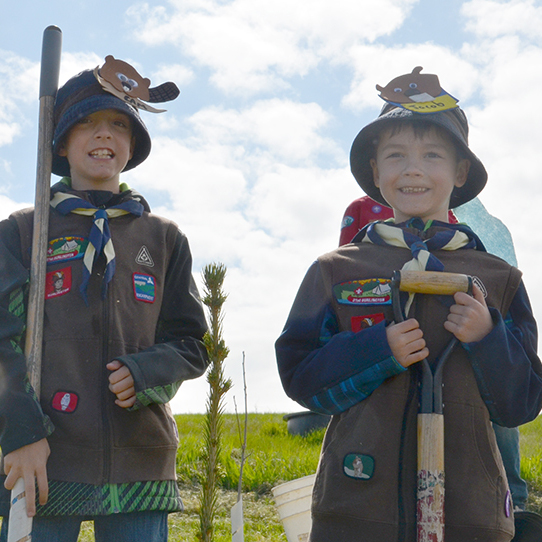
x: 359, y: 466
x: 65, y: 401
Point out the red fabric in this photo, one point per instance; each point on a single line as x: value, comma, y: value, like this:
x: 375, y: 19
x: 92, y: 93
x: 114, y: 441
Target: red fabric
x: 364, y: 210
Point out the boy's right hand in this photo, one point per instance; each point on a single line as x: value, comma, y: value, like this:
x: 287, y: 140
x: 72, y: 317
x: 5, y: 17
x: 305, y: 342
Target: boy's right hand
x: 406, y: 342
x: 30, y: 463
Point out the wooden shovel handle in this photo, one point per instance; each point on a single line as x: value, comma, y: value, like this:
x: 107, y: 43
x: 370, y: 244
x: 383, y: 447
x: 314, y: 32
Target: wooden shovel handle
x: 433, y: 282
x: 430, y: 498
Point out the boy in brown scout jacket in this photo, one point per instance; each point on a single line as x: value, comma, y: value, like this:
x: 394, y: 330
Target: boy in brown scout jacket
x: 123, y: 328
x: 342, y: 353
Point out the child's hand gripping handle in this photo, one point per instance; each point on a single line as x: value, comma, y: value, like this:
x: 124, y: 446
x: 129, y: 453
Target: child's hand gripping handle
x: 20, y: 525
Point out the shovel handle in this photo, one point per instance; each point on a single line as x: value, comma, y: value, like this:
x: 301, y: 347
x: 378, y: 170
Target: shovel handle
x: 430, y: 495
x: 20, y: 525
x: 433, y: 282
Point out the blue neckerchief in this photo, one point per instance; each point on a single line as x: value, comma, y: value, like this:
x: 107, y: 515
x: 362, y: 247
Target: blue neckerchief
x: 410, y: 234
x: 100, y: 241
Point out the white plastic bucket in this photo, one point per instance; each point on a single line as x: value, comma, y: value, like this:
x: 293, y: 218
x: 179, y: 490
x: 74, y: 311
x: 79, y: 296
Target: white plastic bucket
x: 293, y: 500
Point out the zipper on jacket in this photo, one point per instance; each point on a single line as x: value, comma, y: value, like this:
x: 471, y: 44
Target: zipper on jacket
x: 115, y: 502
x: 105, y: 392
x: 402, y: 519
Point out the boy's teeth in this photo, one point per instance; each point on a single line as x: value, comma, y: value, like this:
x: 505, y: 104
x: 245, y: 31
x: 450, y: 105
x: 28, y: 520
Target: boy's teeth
x: 408, y: 190
x: 101, y: 153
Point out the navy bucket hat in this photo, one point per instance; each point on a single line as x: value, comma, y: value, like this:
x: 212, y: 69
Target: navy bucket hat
x: 452, y: 120
x: 116, y: 85
x: 81, y: 96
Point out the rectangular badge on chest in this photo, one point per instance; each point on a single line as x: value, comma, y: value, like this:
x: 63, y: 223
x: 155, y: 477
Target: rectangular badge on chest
x: 144, y: 287
x: 363, y: 292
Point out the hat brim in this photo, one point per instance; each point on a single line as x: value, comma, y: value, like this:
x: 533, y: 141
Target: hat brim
x: 363, y: 149
x: 93, y: 104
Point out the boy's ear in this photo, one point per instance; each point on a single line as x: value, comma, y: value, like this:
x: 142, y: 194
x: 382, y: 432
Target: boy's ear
x: 374, y: 167
x: 62, y: 150
x: 463, y: 167
x: 132, y: 147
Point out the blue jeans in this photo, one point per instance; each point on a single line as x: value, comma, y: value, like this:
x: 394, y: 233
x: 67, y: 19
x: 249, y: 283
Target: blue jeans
x: 508, y: 443
x: 134, y: 527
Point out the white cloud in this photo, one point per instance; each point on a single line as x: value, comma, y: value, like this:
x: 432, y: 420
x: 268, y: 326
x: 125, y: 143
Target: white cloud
x: 8, y: 132
x: 380, y: 64
x: 288, y: 130
x: 255, y: 45
x: 491, y: 18
x: 19, y: 87
x: 8, y: 206
x: 73, y: 63
x: 179, y: 74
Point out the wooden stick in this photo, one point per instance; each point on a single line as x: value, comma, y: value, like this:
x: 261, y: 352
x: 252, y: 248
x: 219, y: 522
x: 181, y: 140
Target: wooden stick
x: 20, y: 525
x: 432, y: 282
x: 430, y: 500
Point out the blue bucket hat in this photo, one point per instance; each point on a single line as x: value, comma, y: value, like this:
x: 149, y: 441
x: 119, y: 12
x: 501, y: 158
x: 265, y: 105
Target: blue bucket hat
x: 451, y: 119
x: 87, y: 93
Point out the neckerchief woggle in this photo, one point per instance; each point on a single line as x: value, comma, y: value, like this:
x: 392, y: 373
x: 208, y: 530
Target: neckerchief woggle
x: 100, y: 236
x: 450, y: 237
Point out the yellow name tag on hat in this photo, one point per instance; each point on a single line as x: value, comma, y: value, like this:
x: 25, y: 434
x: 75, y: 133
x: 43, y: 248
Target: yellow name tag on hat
x: 440, y: 103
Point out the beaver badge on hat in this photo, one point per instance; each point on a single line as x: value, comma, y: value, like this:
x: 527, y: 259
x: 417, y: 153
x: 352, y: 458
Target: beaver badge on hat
x: 123, y: 81
x: 417, y: 92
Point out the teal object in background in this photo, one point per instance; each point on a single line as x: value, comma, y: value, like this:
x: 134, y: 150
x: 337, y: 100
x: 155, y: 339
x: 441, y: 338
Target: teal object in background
x: 492, y: 231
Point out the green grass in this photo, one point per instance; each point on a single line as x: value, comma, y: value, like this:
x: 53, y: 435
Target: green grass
x: 274, y: 457
x: 531, y: 462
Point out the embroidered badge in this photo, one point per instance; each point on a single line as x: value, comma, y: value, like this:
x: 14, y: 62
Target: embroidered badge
x: 480, y: 285
x: 364, y: 292
x: 144, y: 257
x: 144, y: 287
x: 347, y: 221
x: 58, y: 283
x: 359, y: 466
x: 65, y: 401
x: 377, y: 209
x: 66, y: 248
x: 363, y: 322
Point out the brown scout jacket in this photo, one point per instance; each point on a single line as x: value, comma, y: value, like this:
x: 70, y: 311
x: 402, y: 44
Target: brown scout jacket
x: 383, y: 426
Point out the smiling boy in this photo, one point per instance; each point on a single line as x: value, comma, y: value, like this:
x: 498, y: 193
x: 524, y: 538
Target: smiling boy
x: 120, y: 336
x: 341, y: 352
x: 98, y: 148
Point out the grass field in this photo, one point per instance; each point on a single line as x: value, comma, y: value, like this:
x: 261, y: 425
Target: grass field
x: 274, y: 457
x: 531, y: 462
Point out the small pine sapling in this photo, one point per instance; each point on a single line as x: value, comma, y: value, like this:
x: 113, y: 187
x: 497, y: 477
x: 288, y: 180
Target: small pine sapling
x: 214, y: 298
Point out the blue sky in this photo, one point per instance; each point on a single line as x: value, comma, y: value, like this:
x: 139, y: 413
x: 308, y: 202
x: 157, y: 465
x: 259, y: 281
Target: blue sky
x: 252, y: 159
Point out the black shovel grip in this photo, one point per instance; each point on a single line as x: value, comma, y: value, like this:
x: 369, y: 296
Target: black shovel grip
x: 50, y: 61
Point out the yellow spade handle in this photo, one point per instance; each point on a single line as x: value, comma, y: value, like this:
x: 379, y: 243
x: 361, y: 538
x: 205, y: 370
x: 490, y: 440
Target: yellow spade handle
x: 433, y: 282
